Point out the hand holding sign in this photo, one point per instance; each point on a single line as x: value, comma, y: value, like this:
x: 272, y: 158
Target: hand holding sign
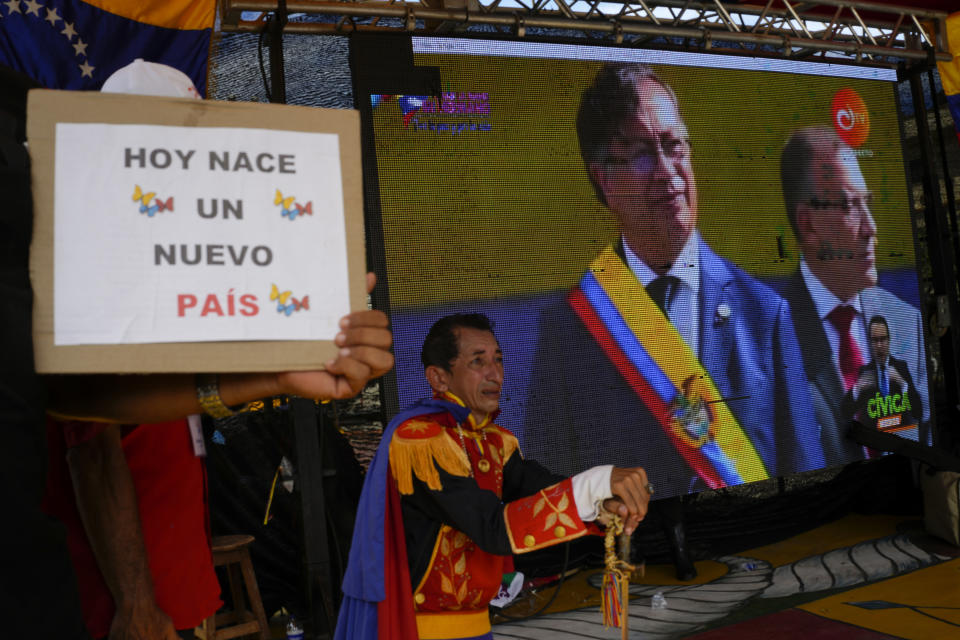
x: 364, y: 354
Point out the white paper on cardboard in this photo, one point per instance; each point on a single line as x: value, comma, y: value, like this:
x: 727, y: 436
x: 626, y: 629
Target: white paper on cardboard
x: 190, y: 234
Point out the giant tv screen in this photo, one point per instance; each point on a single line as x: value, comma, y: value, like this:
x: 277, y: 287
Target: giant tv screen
x: 699, y: 264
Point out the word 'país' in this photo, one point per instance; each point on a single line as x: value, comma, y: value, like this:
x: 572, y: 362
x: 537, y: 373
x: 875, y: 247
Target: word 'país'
x: 228, y: 305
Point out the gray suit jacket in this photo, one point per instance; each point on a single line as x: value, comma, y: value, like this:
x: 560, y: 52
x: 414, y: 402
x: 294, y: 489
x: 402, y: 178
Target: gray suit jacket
x: 826, y: 387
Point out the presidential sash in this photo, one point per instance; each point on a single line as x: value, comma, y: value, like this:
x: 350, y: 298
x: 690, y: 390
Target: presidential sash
x: 665, y: 373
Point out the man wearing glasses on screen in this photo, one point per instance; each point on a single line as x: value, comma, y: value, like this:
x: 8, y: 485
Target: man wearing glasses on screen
x: 834, y: 292
x: 664, y: 355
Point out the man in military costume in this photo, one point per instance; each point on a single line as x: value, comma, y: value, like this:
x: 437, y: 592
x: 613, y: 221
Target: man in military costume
x: 448, y: 499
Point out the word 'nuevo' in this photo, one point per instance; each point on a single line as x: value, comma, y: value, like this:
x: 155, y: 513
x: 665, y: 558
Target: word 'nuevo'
x: 211, y: 254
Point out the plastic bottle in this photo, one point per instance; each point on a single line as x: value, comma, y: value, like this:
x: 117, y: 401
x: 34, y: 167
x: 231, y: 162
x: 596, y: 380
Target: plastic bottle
x: 286, y: 474
x: 658, y: 601
x: 294, y: 630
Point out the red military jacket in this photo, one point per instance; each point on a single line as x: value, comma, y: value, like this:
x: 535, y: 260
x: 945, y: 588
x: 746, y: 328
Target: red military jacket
x: 470, y: 501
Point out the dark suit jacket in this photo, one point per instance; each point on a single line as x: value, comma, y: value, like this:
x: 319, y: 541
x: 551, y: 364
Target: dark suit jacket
x: 858, y: 408
x: 581, y: 412
x: 826, y: 387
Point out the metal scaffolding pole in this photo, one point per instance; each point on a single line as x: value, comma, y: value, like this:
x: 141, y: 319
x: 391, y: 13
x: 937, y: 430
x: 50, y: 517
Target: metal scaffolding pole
x: 866, y: 32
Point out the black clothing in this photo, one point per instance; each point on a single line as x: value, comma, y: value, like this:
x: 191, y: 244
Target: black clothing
x: 38, y: 589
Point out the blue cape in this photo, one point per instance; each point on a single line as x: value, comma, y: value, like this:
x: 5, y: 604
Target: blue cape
x: 363, y: 583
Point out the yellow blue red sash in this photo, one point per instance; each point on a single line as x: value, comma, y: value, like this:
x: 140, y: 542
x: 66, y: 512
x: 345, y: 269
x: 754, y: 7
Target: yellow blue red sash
x: 665, y: 373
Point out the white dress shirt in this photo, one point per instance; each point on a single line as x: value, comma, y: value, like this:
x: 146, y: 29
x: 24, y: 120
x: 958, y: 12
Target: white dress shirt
x: 590, y: 489
x: 825, y: 302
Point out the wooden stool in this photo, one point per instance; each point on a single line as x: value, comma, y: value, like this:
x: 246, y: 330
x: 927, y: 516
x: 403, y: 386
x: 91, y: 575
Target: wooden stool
x: 232, y: 552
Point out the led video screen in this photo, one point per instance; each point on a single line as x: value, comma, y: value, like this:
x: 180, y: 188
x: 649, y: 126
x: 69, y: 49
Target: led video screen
x: 699, y: 264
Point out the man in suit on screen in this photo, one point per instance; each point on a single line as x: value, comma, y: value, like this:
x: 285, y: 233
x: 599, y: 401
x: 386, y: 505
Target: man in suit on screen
x: 833, y: 293
x: 665, y: 354
x: 884, y: 395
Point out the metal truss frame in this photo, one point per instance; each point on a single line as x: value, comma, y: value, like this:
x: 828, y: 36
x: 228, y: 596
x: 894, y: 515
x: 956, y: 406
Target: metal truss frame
x: 870, y: 33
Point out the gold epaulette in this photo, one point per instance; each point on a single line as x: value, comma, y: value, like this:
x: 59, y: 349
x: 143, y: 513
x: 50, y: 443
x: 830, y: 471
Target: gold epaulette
x: 417, y: 447
x: 510, y: 442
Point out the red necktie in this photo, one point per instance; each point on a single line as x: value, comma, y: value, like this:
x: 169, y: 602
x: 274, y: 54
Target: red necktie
x: 850, y: 358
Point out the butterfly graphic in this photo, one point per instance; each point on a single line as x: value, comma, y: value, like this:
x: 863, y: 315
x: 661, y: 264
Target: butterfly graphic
x: 291, y: 209
x: 285, y: 307
x: 276, y: 294
x: 303, y: 303
x: 304, y: 209
x: 286, y: 204
x: 144, y: 198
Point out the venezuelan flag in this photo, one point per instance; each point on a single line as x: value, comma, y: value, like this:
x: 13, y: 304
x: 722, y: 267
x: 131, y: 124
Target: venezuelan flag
x: 950, y: 71
x: 69, y: 44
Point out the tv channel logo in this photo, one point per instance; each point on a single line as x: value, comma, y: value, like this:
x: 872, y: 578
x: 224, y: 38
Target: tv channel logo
x: 851, y: 120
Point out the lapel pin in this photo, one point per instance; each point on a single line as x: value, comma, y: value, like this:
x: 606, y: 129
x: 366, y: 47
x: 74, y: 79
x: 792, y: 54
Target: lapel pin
x: 723, y: 312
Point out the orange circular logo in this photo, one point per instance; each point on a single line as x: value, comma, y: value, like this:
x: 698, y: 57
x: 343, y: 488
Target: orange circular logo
x: 850, y: 117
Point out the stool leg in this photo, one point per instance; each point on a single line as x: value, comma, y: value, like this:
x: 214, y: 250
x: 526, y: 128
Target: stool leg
x: 256, y: 605
x: 208, y: 628
x: 236, y: 592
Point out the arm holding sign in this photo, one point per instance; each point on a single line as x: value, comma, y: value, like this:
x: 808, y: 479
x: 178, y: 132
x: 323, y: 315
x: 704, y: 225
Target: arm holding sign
x: 364, y: 354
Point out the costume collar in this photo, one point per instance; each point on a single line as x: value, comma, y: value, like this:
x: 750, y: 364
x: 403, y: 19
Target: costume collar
x: 461, y: 412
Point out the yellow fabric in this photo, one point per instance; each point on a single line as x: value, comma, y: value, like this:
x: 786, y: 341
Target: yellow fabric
x: 173, y: 14
x: 950, y: 71
x: 409, y: 456
x: 510, y: 444
x: 470, y: 424
x: 447, y: 626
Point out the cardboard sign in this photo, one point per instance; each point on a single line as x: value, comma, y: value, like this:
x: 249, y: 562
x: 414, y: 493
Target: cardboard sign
x: 175, y: 235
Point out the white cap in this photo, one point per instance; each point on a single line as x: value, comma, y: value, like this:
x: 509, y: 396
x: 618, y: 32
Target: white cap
x: 150, y: 79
